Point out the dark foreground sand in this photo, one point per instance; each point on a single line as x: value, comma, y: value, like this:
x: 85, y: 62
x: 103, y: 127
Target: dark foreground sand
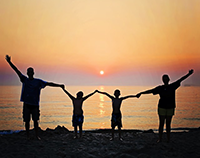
x: 60, y: 143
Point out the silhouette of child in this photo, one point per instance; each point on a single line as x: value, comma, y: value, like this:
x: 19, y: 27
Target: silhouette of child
x: 78, y: 118
x: 167, y: 103
x: 116, y: 119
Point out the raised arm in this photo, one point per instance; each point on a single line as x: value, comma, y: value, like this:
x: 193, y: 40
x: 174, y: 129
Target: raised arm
x: 70, y: 96
x: 8, y: 59
x: 186, y: 76
x: 108, y: 95
x: 89, y: 95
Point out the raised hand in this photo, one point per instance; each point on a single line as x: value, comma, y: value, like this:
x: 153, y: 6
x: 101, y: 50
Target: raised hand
x: 8, y: 58
x: 191, y: 71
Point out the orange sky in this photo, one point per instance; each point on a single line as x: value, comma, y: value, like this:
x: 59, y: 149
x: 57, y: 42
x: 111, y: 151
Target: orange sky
x: 71, y: 38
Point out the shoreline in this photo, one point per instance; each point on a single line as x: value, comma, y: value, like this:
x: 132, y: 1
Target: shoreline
x: 181, y: 129
x: 60, y: 142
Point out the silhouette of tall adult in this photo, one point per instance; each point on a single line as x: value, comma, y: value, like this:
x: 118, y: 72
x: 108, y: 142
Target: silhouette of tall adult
x: 30, y: 95
x: 167, y: 102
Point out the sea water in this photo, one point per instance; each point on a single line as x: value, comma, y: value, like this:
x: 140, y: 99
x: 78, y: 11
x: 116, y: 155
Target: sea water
x: 56, y: 108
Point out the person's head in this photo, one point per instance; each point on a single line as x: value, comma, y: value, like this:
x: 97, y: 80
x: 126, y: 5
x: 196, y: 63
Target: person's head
x: 165, y: 79
x: 117, y: 93
x: 79, y: 94
x: 30, y: 72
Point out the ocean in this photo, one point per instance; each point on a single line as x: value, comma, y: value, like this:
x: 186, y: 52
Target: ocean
x: 56, y: 108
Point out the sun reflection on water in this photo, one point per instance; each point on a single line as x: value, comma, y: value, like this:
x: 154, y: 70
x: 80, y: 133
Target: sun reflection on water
x: 101, y: 103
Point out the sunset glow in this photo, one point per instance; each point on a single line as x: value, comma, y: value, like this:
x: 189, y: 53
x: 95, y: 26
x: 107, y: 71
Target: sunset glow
x: 129, y: 40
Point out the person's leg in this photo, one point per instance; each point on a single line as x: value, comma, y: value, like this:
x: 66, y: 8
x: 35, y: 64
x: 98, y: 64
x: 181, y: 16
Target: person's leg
x: 113, y: 129
x: 27, y: 126
x: 168, y: 127
x: 161, y: 125
x: 35, y: 117
x: 119, y: 122
x: 26, y: 118
x: 36, y: 129
x: 119, y: 129
x: 75, y: 131
x: 80, y: 131
x: 113, y: 120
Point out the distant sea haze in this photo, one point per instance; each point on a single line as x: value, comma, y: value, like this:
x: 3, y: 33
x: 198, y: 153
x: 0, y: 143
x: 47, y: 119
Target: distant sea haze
x: 56, y: 108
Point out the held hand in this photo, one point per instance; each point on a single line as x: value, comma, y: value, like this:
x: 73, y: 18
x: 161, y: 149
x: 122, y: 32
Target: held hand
x: 62, y: 86
x: 138, y: 95
x: 8, y: 58
x: 191, y: 71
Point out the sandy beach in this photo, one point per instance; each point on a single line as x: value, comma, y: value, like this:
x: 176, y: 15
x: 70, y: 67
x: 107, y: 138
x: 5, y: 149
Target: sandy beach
x: 59, y: 142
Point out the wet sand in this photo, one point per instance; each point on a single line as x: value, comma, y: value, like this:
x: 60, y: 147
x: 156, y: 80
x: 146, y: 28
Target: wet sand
x: 60, y: 142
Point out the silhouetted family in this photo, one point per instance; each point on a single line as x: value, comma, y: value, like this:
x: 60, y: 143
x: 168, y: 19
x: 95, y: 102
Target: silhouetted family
x: 30, y: 96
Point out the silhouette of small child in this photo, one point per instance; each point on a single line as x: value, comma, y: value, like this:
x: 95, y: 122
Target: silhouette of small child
x: 78, y: 118
x: 116, y: 113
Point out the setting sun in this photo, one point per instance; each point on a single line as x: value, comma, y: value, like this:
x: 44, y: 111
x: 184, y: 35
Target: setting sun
x: 101, y: 72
